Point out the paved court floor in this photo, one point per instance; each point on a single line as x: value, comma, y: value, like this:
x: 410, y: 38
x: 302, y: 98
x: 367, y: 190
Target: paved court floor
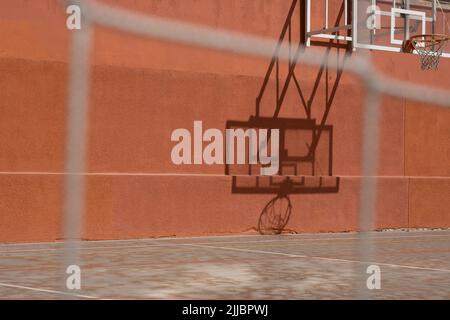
x: 414, y: 265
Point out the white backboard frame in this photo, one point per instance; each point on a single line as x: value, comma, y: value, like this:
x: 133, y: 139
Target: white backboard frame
x: 418, y: 15
x: 395, y: 45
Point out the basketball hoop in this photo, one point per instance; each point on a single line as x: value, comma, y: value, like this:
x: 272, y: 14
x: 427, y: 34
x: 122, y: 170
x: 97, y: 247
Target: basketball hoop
x: 429, y: 47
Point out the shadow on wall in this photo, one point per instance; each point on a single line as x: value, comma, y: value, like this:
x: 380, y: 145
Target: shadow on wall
x: 305, y: 143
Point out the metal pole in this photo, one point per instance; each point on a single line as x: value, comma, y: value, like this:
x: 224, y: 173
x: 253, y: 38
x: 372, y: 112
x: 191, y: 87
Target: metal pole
x: 433, y: 23
x: 369, y: 181
x: 406, y: 17
x: 75, y: 153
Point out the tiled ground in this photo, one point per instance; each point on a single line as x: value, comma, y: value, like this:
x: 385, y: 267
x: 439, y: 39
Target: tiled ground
x: 310, y: 266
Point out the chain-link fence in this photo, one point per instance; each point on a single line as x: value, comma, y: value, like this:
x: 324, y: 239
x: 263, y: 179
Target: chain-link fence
x: 96, y: 14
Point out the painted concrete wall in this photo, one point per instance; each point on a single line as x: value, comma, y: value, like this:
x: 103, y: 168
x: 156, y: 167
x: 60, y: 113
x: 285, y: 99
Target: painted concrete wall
x: 141, y: 90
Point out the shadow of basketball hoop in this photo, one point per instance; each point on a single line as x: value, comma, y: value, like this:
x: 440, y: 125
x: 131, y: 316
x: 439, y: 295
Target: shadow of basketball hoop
x: 306, y: 145
x: 302, y: 169
x: 275, y: 215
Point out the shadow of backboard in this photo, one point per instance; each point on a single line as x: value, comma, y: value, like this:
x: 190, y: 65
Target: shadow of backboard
x: 305, y: 153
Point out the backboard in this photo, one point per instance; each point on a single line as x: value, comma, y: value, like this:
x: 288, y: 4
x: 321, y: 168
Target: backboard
x: 381, y: 25
x: 385, y: 25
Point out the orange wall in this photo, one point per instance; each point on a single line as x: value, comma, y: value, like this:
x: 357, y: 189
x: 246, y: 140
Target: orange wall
x: 141, y: 90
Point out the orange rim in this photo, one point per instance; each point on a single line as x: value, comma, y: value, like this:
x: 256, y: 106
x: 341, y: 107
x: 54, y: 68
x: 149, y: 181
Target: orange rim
x: 428, y: 39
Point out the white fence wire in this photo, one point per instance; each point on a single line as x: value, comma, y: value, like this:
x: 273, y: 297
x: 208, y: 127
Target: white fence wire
x: 95, y: 13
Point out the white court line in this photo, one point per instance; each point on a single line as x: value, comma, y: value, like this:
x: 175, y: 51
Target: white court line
x: 281, y: 242
x: 319, y: 258
x: 380, y: 234
x: 154, y: 239
x: 61, y: 249
x: 139, y: 240
x: 46, y: 291
x: 330, y: 235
